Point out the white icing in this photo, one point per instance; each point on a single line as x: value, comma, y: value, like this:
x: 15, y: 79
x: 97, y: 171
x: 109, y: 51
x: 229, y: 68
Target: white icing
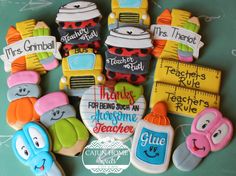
x: 21, y: 148
x: 36, y: 137
x: 129, y: 37
x: 178, y: 34
x: 219, y: 134
x: 92, y: 109
x: 85, y: 11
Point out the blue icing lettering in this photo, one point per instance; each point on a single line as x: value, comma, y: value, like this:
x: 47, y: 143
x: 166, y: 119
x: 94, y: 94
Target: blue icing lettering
x: 115, y: 117
x: 151, y: 146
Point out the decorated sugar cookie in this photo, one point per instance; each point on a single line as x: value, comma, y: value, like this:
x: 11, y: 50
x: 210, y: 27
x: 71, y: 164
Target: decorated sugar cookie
x: 210, y: 131
x: 81, y: 69
x: 30, y: 46
x: 22, y: 95
x: 31, y: 146
x: 69, y: 135
x: 176, y: 36
x: 128, y: 55
x: 79, y: 25
x: 103, y: 114
x: 152, y: 141
x: 129, y: 13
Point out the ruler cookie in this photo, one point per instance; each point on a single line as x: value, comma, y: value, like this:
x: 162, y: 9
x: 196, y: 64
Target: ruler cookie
x: 188, y: 75
x: 183, y: 101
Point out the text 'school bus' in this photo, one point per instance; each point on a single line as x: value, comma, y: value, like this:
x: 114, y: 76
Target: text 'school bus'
x: 81, y: 70
x: 129, y: 13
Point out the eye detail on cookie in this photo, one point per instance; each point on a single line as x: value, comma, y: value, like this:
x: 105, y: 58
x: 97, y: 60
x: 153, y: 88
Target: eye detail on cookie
x: 22, y: 149
x: 219, y: 134
x: 22, y: 91
x: 36, y: 138
x: 204, y: 121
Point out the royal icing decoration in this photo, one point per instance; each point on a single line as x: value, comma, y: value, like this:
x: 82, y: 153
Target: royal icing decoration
x: 128, y: 54
x: 104, y: 117
x: 79, y: 25
x: 152, y: 141
x: 81, y: 70
x: 210, y: 131
x: 176, y: 37
x: 30, y: 47
x: 22, y: 95
x: 31, y: 146
x: 129, y: 13
x: 69, y: 135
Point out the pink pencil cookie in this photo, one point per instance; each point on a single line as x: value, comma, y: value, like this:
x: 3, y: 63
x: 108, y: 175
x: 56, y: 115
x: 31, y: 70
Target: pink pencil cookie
x: 210, y: 131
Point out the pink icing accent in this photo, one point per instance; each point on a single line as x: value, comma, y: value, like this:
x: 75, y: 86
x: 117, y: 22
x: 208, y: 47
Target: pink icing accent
x: 50, y: 101
x: 23, y: 77
x: 51, y: 65
x: 217, y: 118
x: 198, y: 145
x: 186, y: 59
x: 204, y: 136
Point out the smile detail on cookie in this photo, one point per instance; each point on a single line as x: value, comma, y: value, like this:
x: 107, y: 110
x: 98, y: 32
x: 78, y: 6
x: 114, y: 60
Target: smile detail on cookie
x: 22, y: 92
x: 56, y: 115
x: 41, y: 167
x: 195, y: 148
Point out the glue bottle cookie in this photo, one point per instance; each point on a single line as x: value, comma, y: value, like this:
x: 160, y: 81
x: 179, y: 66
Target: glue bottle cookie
x: 32, y: 147
x: 79, y: 25
x: 210, y: 131
x: 152, y: 141
x: 22, y: 95
x: 69, y: 135
x: 128, y: 55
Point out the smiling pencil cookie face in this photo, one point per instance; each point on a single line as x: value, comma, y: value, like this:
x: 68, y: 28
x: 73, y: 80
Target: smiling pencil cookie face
x: 210, y: 131
x: 31, y: 146
x: 69, y: 135
x: 22, y: 94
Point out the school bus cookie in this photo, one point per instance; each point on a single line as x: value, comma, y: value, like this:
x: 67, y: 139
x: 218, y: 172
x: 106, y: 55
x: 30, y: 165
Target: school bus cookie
x: 32, y: 147
x: 176, y: 36
x: 79, y: 25
x: 30, y: 46
x: 22, y: 95
x: 69, y: 135
x: 129, y: 13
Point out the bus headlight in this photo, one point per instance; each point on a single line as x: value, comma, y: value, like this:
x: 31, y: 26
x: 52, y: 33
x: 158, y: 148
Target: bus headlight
x: 100, y: 78
x: 144, y: 16
x: 63, y: 80
x: 112, y: 15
